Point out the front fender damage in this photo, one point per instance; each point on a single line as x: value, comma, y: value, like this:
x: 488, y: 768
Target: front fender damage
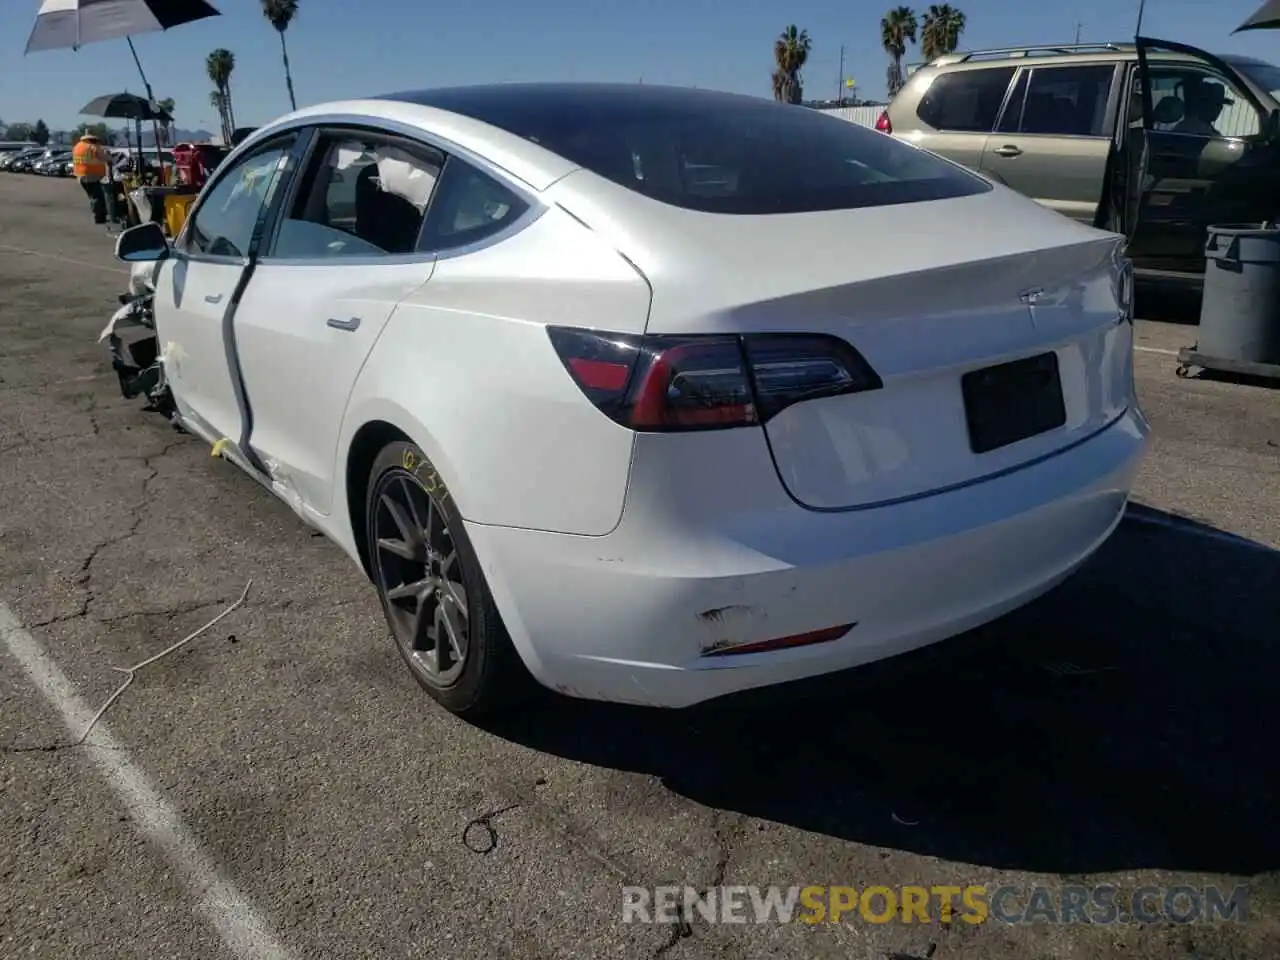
x: 132, y: 343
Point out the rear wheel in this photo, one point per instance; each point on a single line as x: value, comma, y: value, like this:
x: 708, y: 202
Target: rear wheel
x: 442, y: 617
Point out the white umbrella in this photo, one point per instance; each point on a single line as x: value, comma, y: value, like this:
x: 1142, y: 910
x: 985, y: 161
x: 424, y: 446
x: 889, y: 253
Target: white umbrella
x: 70, y: 24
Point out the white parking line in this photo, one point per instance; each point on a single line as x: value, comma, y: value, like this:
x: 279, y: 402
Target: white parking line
x: 243, y: 931
x: 115, y: 271
x: 1159, y: 350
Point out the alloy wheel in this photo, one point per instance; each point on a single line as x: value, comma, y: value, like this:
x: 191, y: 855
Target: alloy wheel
x: 420, y: 578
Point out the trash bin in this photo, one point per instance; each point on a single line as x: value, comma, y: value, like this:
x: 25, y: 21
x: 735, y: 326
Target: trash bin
x: 1240, y: 313
x: 176, y: 208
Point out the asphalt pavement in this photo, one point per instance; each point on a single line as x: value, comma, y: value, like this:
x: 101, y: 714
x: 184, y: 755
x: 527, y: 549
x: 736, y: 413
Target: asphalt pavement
x: 279, y: 787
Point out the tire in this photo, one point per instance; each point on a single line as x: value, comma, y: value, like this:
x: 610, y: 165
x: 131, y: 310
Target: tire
x: 489, y: 674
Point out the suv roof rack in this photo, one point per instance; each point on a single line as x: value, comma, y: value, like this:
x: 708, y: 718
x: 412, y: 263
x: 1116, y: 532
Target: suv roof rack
x: 1053, y: 49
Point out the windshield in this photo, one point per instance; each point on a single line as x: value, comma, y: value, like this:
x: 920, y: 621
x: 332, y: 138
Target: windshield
x: 1265, y: 75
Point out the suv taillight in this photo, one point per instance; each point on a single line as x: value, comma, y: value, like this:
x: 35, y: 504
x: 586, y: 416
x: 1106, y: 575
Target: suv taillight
x: 882, y: 122
x: 707, y: 382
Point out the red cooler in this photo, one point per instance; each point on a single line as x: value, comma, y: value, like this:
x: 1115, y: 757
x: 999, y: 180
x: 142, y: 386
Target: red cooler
x: 184, y: 161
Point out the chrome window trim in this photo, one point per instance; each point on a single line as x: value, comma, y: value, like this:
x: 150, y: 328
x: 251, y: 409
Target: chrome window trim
x: 535, y: 207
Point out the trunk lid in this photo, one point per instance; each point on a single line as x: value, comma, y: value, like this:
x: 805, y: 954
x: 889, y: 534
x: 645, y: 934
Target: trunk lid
x: 927, y: 293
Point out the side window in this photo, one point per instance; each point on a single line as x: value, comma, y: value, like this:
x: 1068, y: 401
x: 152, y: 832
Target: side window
x: 360, y: 197
x: 965, y: 100
x: 228, y: 214
x: 469, y: 206
x: 1068, y: 101
x: 1196, y: 102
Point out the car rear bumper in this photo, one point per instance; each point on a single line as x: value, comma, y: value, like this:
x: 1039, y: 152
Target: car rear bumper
x: 635, y: 615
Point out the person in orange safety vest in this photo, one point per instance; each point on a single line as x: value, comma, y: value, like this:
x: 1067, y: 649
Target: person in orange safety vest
x: 89, y: 163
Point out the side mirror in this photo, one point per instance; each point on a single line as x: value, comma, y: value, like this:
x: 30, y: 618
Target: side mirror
x: 145, y: 243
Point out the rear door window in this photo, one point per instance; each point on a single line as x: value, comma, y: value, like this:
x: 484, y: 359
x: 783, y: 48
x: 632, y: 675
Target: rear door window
x: 362, y: 196
x: 469, y: 207
x: 965, y: 101
x: 1066, y: 101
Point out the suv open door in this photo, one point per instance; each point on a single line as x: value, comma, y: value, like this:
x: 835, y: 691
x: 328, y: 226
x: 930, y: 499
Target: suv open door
x: 1197, y: 147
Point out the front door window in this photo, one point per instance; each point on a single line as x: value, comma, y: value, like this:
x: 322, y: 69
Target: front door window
x: 224, y: 223
x: 1195, y: 102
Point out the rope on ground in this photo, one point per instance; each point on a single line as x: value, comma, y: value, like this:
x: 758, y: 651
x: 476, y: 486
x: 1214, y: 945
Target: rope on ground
x: 130, y: 672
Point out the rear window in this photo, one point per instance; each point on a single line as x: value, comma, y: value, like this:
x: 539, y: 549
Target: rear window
x: 722, y: 153
x: 965, y: 101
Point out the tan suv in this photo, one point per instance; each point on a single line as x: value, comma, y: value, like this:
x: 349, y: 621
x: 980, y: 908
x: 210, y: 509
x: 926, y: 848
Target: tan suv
x: 1078, y: 128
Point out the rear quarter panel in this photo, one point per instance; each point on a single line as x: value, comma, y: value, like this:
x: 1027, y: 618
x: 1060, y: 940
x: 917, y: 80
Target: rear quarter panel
x: 466, y: 369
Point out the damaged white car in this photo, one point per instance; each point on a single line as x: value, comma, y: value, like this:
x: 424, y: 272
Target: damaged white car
x: 653, y: 394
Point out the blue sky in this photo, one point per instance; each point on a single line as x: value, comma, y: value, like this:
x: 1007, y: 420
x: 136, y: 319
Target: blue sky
x: 339, y: 48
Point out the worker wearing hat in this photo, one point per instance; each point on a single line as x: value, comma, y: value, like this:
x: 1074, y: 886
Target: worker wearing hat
x: 89, y: 162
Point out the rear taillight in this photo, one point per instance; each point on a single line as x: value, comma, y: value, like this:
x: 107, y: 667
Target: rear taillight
x: 882, y: 122
x: 668, y: 383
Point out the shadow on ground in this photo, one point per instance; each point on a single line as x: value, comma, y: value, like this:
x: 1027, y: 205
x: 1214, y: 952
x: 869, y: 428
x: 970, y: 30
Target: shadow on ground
x: 1127, y: 720
x: 1169, y: 304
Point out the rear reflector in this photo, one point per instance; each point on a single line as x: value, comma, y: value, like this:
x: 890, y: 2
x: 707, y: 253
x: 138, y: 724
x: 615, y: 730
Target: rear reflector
x: 783, y: 643
x: 661, y: 383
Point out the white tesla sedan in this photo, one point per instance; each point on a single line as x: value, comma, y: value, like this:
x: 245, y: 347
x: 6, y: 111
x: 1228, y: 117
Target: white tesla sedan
x: 653, y: 394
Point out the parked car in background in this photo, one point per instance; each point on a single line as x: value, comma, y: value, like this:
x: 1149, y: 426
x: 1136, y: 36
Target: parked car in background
x: 52, y: 165
x: 1153, y: 139
x: 655, y: 394
x: 22, y: 161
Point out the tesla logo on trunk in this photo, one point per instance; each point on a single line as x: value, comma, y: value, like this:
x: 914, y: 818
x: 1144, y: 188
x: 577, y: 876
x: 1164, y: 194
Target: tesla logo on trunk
x: 1031, y: 298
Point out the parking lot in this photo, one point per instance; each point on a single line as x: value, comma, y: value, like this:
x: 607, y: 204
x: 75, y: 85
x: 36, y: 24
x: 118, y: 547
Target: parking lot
x: 281, y: 788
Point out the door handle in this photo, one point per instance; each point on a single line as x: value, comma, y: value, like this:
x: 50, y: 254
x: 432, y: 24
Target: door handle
x: 213, y: 298
x: 351, y: 324
x: 1008, y: 150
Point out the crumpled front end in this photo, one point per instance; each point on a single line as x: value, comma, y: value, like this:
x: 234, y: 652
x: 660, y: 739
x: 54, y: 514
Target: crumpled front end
x: 132, y: 343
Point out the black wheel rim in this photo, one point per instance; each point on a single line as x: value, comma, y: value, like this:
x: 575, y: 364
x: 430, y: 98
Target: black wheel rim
x: 420, y: 578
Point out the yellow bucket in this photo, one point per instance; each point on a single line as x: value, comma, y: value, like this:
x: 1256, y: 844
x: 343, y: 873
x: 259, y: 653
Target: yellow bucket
x: 176, y: 207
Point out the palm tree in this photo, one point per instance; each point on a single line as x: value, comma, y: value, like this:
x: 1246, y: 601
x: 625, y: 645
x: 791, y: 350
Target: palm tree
x: 166, y: 125
x: 943, y: 25
x: 897, y: 29
x: 790, y: 53
x: 280, y: 13
x: 219, y: 103
x: 219, y: 65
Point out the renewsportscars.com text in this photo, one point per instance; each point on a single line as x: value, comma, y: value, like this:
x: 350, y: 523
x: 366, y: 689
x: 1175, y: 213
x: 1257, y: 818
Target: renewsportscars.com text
x: 973, y: 904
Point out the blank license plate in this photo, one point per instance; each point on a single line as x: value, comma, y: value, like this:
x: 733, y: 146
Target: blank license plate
x: 1012, y: 401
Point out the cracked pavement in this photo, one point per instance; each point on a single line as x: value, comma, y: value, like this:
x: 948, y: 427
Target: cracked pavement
x: 1120, y: 730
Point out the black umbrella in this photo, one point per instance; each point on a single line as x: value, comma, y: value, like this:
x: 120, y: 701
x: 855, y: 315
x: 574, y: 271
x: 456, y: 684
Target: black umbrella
x: 125, y: 106
x: 1266, y: 17
x: 128, y: 106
